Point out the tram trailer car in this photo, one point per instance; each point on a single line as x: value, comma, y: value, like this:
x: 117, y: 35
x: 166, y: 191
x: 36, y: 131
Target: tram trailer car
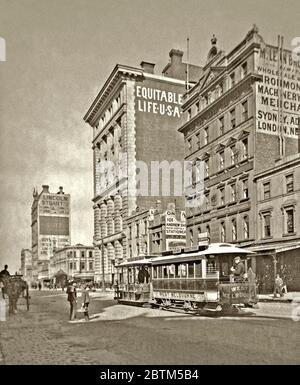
x: 191, y: 281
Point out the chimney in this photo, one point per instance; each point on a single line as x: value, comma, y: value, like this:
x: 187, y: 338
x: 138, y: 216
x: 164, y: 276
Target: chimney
x: 45, y: 189
x: 60, y: 190
x: 176, y: 56
x: 148, y: 67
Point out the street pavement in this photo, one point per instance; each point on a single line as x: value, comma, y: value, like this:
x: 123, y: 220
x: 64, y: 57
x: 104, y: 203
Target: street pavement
x: 120, y: 334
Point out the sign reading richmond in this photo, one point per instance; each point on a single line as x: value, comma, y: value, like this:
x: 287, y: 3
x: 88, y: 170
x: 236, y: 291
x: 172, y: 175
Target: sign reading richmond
x: 272, y: 87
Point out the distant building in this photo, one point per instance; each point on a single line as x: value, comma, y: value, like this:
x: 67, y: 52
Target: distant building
x: 50, y: 226
x: 278, y: 224
x: 134, y: 118
x: 74, y: 261
x: 154, y: 231
x: 26, y: 265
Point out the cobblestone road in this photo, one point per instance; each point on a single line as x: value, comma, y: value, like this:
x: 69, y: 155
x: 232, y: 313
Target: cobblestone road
x: 119, y: 334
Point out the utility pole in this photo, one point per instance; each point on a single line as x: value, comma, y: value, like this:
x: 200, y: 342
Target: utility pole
x: 102, y: 260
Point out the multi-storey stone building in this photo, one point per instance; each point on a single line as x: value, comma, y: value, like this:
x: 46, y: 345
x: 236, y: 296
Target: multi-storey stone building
x: 240, y: 118
x: 50, y: 228
x: 278, y: 222
x: 76, y: 262
x: 134, y: 118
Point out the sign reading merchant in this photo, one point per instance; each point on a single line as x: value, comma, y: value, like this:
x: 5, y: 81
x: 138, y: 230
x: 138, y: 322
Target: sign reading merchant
x: 278, y: 94
x: 158, y: 102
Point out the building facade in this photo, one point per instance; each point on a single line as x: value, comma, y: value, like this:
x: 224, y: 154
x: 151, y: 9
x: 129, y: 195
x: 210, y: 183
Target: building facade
x: 134, y: 119
x: 26, y: 265
x: 76, y: 262
x: 278, y: 223
x: 50, y: 228
x: 155, y: 231
x: 240, y: 118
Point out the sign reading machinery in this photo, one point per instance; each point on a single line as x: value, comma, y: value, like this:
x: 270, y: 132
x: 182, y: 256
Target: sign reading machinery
x: 158, y: 102
x: 278, y: 91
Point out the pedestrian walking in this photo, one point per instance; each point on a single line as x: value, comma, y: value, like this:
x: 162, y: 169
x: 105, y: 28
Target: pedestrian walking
x: 4, y: 275
x: 40, y: 286
x: 278, y: 286
x: 72, y: 298
x: 86, y: 301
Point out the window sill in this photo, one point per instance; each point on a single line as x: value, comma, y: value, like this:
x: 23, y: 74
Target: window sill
x: 266, y: 238
x: 289, y: 234
x: 231, y: 203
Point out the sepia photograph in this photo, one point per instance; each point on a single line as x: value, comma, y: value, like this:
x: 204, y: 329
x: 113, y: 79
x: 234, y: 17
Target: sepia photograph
x: 150, y: 186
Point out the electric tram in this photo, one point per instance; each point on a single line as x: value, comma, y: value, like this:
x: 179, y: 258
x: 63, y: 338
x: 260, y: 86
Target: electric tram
x: 192, y: 281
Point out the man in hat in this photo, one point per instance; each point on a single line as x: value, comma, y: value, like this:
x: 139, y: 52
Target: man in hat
x: 72, y: 298
x: 238, y: 270
x: 4, y: 275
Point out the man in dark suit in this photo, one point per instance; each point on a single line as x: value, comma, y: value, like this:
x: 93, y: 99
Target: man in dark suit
x: 238, y: 270
x: 72, y: 298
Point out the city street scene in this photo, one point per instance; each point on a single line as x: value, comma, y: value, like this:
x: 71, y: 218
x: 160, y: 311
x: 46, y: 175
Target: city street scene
x: 150, y: 184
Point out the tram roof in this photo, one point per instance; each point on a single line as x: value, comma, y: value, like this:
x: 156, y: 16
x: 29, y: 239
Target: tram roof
x: 224, y: 248
x: 138, y: 262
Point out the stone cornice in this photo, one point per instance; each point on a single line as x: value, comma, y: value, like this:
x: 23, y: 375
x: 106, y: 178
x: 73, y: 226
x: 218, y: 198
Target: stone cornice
x: 118, y: 72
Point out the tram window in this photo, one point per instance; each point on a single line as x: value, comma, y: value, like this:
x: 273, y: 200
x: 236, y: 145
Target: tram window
x: 159, y: 271
x: 177, y: 270
x: 198, y: 269
x: 183, y: 270
x: 165, y: 272
x: 211, y: 266
x: 224, y: 269
x: 171, y: 271
x: 191, y: 269
x: 155, y: 272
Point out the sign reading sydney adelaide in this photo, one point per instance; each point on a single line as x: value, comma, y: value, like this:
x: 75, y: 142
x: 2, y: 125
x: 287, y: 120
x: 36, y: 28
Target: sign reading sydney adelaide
x: 158, y: 102
x: 272, y: 87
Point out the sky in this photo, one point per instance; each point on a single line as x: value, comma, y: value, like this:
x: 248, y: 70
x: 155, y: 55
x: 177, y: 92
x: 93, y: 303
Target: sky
x: 58, y: 55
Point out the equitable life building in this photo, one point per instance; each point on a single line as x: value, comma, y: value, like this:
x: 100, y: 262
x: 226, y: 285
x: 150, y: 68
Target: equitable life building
x: 134, y: 118
x: 50, y: 228
x: 241, y: 121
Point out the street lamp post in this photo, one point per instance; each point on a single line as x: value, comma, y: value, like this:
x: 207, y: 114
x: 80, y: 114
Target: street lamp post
x: 102, y: 262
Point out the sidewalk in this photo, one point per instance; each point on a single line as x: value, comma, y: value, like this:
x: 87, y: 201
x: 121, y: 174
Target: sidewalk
x: 289, y: 297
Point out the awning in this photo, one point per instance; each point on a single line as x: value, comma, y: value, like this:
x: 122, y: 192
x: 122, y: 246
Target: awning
x: 139, y: 262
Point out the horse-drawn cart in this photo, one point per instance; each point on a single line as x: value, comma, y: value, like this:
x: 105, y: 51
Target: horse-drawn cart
x: 15, y: 288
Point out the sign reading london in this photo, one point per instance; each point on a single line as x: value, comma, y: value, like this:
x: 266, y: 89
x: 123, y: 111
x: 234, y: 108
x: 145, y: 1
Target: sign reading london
x: 158, y: 102
x: 278, y: 93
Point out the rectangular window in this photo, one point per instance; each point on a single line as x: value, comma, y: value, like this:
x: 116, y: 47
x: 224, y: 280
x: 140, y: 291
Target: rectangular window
x: 234, y: 230
x: 244, y: 70
x: 222, y: 196
x: 221, y: 125
x: 91, y: 266
x: 189, y: 114
x: 223, y: 232
x: 222, y: 160
x: 206, y: 166
x: 198, y: 269
x: 82, y: 265
x: 189, y: 144
x: 198, y: 136
x: 246, y: 227
x: 232, y: 155
x: 290, y: 221
x: 191, y: 269
x: 289, y: 179
x: 206, y: 136
x: 233, y: 192
x: 82, y: 254
x: 245, y: 148
x: 232, y: 118
x: 267, y: 190
x: 232, y: 79
x: 245, y: 110
x: 90, y: 254
x: 245, y: 189
x: 267, y: 225
x: 198, y: 106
